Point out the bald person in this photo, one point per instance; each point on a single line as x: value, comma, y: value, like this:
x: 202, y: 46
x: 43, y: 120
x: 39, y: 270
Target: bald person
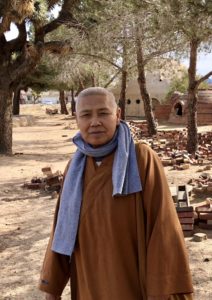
x: 116, y: 235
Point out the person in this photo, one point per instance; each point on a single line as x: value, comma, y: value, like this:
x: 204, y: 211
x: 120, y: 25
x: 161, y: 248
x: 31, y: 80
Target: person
x: 116, y: 234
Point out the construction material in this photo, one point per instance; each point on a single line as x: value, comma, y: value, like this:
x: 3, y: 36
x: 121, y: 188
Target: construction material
x: 199, y: 237
x: 171, y: 145
x: 51, y: 111
x: 185, y: 211
x: 51, y: 181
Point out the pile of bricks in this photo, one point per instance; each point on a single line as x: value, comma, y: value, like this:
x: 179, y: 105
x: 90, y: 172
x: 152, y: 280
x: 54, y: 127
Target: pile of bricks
x: 199, y: 213
x: 203, y: 212
x: 171, y: 145
x: 51, y: 111
x: 185, y: 210
x: 204, y: 216
x: 51, y: 181
x: 138, y: 129
x: 203, y: 184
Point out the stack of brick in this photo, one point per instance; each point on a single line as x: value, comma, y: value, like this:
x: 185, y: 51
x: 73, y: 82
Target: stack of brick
x: 185, y: 211
x: 171, y: 145
x: 203, y: 184
x: 51, y: 111
x: 36, y: 183
x: 138, y: 129
x: 204, y: 214
x: 51, y: 181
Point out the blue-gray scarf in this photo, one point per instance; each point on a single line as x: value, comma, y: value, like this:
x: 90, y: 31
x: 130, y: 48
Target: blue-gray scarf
x: 125, y: 178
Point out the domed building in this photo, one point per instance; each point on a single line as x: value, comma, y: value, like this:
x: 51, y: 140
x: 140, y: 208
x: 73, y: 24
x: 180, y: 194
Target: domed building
x: 158, y: 84
x: 176, y: 110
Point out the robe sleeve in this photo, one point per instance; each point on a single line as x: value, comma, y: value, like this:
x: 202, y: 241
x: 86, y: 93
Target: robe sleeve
x: 167, y: 270
x: 55, y: 272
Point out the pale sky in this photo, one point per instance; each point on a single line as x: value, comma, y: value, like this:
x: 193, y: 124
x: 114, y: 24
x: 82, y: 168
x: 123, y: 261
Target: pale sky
x: 204, y: 63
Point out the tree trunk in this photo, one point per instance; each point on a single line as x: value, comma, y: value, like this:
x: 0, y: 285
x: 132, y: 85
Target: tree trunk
x: 73, y: 104
x: 63, y: 107
x: 192, y: 141
x: 5, y: 121
x: 16, y: 101
x: 122, y: 97
x: 152, y: 126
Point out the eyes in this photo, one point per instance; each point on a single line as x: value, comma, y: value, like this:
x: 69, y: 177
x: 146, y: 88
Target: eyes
x: 99, y: 114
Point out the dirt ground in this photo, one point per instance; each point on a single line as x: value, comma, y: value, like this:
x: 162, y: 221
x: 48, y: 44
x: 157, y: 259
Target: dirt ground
x: 26, y: 215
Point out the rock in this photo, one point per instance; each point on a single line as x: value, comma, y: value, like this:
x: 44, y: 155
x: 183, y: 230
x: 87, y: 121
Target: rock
x: 199, y: 237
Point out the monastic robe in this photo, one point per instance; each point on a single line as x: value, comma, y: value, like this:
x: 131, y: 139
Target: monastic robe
x: 128, y: 247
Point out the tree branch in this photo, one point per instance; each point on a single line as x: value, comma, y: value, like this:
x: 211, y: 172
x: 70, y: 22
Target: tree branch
x: 57, y: 47
x: 26, y: 62
x: 111, y: 80
x: 20, y: 41
x: 99, y: 57
x: 65, y: 17
x: 204, y: 78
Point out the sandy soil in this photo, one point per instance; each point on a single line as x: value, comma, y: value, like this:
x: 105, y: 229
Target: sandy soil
x: 26, y: 215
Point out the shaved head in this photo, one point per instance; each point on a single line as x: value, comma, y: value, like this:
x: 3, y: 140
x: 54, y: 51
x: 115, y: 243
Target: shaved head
x: 93, y: 91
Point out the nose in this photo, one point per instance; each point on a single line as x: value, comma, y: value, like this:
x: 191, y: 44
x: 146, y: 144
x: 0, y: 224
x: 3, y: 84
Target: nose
x: 95, y: 122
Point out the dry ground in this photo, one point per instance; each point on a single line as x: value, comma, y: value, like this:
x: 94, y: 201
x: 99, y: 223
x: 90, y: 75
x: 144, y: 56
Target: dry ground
x: 26, y: 215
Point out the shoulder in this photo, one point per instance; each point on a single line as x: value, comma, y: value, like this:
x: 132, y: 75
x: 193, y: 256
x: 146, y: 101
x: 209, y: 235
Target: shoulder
x: 148, y: 160
x: 144, y: 151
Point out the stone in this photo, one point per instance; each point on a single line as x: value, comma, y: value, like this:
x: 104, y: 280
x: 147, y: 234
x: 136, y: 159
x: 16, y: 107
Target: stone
x: 199, y: 237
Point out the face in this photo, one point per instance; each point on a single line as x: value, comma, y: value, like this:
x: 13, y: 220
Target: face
x: 97, y: 118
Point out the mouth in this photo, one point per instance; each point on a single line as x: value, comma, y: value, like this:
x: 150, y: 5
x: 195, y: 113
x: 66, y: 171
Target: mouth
x: 96, y: 132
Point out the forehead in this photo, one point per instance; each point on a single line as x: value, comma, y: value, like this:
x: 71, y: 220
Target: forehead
x: 94, y: 102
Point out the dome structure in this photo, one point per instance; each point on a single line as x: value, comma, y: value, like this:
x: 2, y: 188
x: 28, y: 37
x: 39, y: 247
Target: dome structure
x: 176, y: 110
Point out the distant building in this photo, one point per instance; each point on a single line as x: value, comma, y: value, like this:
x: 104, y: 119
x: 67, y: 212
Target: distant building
x: 50, y: 97
x: 176, y: 109
x: 158, y: 83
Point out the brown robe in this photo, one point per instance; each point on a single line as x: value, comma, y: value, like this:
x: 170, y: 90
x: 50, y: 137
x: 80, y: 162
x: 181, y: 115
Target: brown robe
x: 128, y: 247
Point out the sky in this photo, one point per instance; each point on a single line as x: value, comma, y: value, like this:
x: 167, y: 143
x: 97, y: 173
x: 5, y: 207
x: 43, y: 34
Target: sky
x: 204, y: 62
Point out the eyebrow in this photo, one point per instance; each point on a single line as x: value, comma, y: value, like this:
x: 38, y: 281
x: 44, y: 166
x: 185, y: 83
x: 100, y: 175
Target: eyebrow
x: 89, y: 110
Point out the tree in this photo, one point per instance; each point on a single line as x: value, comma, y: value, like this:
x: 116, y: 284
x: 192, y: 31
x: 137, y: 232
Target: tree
x: 190, y: 21
x: 180, y: 84
x: 19, y: 57
x: 128, y: 41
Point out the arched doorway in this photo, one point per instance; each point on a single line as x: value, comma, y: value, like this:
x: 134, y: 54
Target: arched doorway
x: 178, y: 109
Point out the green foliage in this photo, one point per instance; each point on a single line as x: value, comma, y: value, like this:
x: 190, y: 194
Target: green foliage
x: 180, y: 84
x: 42, y: 77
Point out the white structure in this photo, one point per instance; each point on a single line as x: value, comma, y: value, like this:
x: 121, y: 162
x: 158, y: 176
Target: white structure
x: 158, y: 83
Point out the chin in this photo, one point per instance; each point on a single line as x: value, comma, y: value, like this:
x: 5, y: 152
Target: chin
x: 97, y: 143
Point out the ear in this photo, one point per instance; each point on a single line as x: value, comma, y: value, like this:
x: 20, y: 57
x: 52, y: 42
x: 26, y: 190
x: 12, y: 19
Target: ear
x: 118, y: 115
x: 77, y: 121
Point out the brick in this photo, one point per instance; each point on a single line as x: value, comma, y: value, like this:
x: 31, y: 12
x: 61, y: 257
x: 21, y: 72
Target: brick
x: 185, y: 214
x: 185, y: 209
x: 187, y: 227
x: 205, y: 216
x: 205, y: 226
x: 186, y: 220
x: 199, y: 237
